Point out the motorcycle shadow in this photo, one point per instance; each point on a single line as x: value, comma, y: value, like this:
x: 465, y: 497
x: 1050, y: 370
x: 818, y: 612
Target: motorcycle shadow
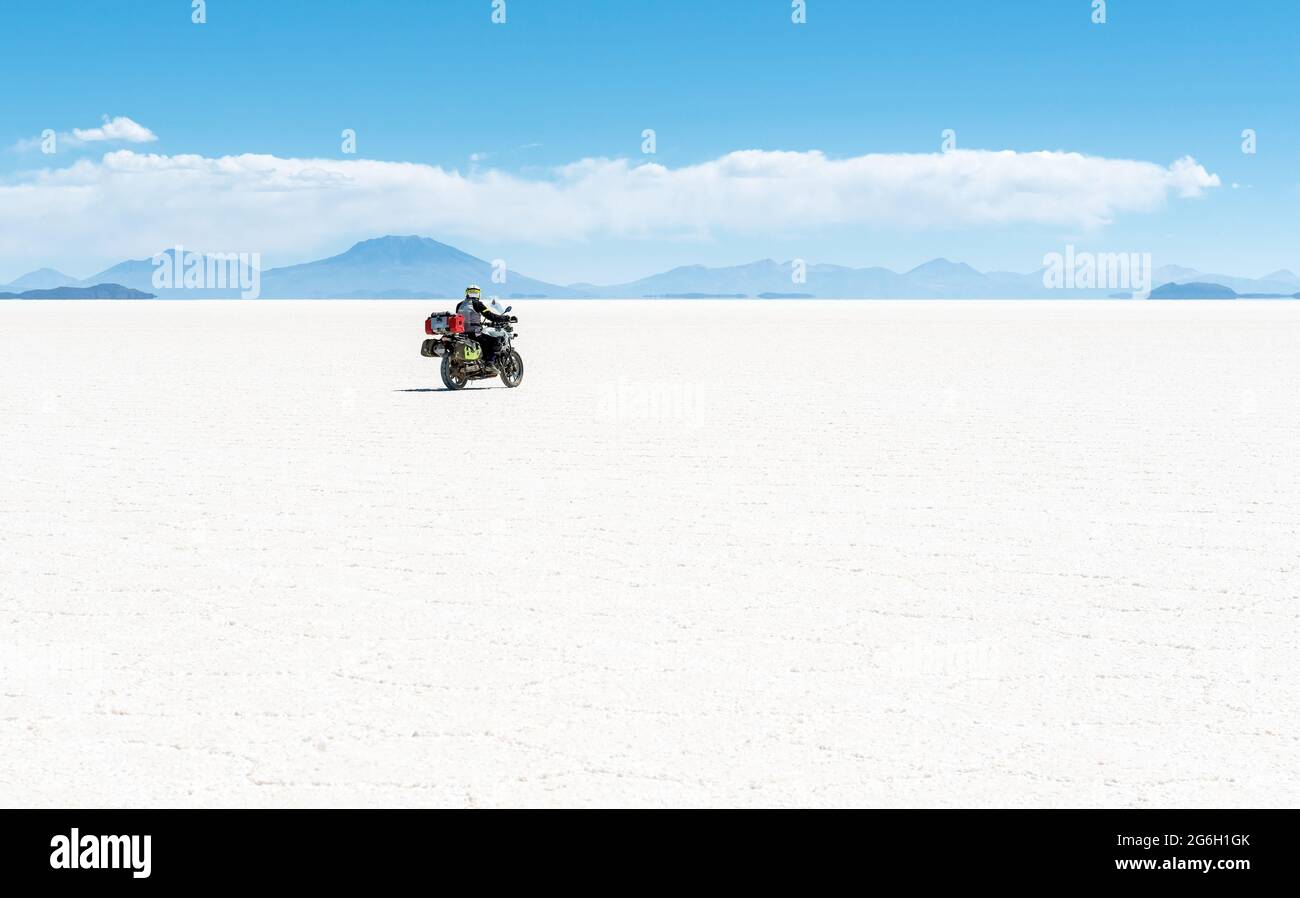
x: 439, y: 389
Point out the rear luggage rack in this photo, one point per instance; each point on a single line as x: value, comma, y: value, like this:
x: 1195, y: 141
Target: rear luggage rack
x: 444, y: 323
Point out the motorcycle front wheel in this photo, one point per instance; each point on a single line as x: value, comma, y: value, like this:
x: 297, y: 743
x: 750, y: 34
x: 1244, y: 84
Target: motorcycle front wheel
x: 511, y: 367
x: 452, y: 377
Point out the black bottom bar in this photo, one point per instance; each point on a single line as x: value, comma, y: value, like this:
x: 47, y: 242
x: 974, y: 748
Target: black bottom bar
x: 389, y: 848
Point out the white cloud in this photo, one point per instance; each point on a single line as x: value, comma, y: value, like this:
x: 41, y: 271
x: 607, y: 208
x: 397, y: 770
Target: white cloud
x: 120, y: 129
x: 131, y: 204
x: 115, y: 130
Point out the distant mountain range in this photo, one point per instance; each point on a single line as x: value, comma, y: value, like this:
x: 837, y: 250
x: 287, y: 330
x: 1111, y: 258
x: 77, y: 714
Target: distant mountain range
x: 937, y: 279
x: 40, y: 279
x: 1197, y: 290
x: 382, y: 268
x: 99, y: 291
x: 419, y: 267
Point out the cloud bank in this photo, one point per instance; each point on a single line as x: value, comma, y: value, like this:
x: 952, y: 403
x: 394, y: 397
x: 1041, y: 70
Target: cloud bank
x: 132, y: 204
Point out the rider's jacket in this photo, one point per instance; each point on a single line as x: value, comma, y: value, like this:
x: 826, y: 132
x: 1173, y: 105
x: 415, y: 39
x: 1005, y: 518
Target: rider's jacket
x: 474, y: 312
x: 471, y: 311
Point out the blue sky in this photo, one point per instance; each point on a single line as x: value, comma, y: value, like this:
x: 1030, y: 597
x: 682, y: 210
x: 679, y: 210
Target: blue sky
x: 440, y: 85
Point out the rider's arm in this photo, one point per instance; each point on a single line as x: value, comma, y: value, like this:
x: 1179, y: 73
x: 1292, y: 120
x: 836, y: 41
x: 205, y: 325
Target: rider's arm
x: 482, y: 308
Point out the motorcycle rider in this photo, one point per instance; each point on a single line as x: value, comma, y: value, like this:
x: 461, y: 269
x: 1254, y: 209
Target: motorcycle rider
x: 475, y: 311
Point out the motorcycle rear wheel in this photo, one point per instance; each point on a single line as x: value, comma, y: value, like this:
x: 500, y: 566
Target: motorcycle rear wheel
x: 511, y: 368
x: 452, y: 377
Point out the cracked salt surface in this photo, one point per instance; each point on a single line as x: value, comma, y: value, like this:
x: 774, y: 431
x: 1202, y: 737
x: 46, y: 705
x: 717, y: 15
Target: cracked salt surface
x: 709, y: 553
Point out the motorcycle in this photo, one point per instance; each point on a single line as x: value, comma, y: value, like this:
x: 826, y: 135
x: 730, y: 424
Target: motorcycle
x: 462, y: 355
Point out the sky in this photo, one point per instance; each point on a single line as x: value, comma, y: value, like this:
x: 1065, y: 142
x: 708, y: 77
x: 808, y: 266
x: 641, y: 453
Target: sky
x: 524, y: 140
